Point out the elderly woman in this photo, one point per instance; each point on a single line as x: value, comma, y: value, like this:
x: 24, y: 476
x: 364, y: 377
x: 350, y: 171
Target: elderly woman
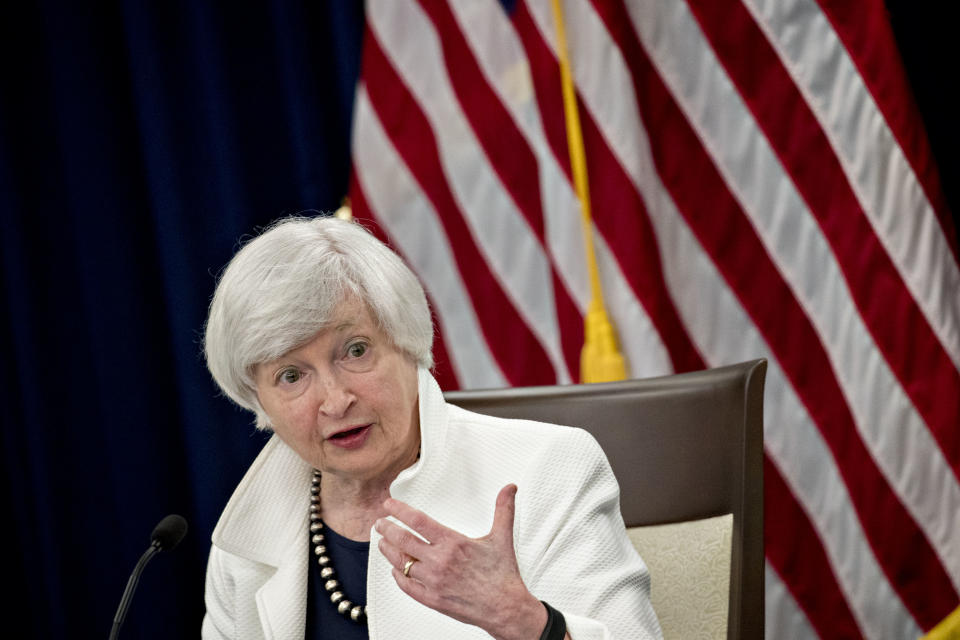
x: 377, y: 510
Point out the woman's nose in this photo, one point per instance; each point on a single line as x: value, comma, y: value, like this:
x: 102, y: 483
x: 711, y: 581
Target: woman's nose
x: 337, y: 399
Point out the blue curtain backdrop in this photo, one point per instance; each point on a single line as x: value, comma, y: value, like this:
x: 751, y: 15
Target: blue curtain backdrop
x: 138, y: 143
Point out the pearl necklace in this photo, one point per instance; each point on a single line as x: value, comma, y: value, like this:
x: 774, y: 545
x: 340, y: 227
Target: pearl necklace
x: 357, y: 612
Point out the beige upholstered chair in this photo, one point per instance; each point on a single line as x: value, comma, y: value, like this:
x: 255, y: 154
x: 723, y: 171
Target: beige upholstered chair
x: 687, y: 451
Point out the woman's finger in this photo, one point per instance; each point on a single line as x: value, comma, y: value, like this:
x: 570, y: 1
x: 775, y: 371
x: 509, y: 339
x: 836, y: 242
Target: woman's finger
x: 414, y: 589
x: 393, y: 555
x: 408, y: 568
x: 417, y: 520
x: 402, y: 539
x: 502, y: 529
x: 397, y: 558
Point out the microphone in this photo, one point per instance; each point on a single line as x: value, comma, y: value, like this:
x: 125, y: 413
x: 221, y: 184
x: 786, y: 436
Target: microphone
x: 169, y: 532
x: 166, y: 535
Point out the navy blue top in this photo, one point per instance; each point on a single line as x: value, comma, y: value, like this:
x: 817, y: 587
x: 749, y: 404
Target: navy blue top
x: 349, y: 558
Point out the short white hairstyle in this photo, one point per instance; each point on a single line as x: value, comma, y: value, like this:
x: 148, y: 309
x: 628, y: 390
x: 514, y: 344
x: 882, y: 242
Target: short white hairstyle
x: 283, y: 286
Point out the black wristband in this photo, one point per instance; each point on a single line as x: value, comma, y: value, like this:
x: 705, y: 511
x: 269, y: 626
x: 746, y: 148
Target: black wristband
x: 556, y: 627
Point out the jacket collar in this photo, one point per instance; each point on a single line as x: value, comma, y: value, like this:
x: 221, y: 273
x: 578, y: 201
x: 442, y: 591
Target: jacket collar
x: 433, y: 431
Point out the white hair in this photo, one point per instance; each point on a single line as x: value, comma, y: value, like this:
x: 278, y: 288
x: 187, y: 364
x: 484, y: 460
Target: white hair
x: 283, y: 286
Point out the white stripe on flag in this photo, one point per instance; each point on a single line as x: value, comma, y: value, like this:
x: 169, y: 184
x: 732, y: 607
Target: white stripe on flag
x: 640, y: 343
x: 783, y: 619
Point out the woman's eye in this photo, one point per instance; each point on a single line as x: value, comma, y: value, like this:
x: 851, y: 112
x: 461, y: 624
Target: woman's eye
x: 289, y: 376
x: 357, y: 349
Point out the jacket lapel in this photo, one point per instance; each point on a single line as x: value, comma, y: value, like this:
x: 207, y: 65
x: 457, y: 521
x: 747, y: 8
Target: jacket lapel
x: 281, y: 601
x: 265, y: 521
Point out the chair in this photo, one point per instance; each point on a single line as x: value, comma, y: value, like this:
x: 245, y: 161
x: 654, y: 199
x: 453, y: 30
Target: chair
x: 684, y: 447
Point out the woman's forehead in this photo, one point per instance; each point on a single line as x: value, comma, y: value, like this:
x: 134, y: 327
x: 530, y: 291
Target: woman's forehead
x: 348, y: 314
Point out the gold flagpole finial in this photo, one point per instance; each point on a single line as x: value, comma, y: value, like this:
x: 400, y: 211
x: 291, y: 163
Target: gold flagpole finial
x: 344, y: 212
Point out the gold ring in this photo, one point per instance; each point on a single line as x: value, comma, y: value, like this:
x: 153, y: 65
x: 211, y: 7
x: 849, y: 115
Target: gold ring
x: 406, y: 567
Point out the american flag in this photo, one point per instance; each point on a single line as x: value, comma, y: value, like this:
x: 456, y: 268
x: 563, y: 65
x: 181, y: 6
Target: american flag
x: 761, y: 186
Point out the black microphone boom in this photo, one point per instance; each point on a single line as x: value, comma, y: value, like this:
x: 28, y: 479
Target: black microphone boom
x: 165, y: 537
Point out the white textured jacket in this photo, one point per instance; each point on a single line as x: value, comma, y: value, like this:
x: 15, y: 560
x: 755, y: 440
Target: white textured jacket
x: 571, y: 545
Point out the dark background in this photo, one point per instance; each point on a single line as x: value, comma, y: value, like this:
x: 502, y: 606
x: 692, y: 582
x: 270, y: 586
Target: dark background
x: 138, y: 144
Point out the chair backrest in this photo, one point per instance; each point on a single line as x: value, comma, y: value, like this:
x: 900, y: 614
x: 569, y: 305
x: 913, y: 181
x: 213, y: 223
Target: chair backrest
x: 683, y: 447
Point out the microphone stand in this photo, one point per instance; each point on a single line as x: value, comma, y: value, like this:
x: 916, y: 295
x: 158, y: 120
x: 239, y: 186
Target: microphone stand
x: 127, y: 598
x: 165, y: 537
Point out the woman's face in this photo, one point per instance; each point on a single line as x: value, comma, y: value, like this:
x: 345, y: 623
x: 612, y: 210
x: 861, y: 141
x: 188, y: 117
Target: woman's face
x: 346, y: 401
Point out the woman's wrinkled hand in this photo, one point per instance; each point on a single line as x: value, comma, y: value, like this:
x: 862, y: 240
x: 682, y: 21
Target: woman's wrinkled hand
x: 474, y: 580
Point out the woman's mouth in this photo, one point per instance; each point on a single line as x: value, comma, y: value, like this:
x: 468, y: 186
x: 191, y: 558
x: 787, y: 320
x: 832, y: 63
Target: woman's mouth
x: 350, y: 438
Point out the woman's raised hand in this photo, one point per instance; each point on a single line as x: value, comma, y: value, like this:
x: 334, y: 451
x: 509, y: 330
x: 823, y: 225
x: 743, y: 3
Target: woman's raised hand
x: 474, y: 580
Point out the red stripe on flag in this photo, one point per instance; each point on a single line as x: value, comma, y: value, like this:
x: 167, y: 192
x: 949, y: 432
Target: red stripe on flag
x: 795, y: 552
x: 509, y: 154
x: 894, y: 319
x: 618, y: 211
x: 511, y: 342
x: 866, y: 33
x: 442, y: 367
x: 725, y: 233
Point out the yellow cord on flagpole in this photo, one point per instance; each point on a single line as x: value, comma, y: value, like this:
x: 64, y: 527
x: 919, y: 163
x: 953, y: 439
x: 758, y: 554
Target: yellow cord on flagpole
x: 600, y: 359
x: 948, y: 629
